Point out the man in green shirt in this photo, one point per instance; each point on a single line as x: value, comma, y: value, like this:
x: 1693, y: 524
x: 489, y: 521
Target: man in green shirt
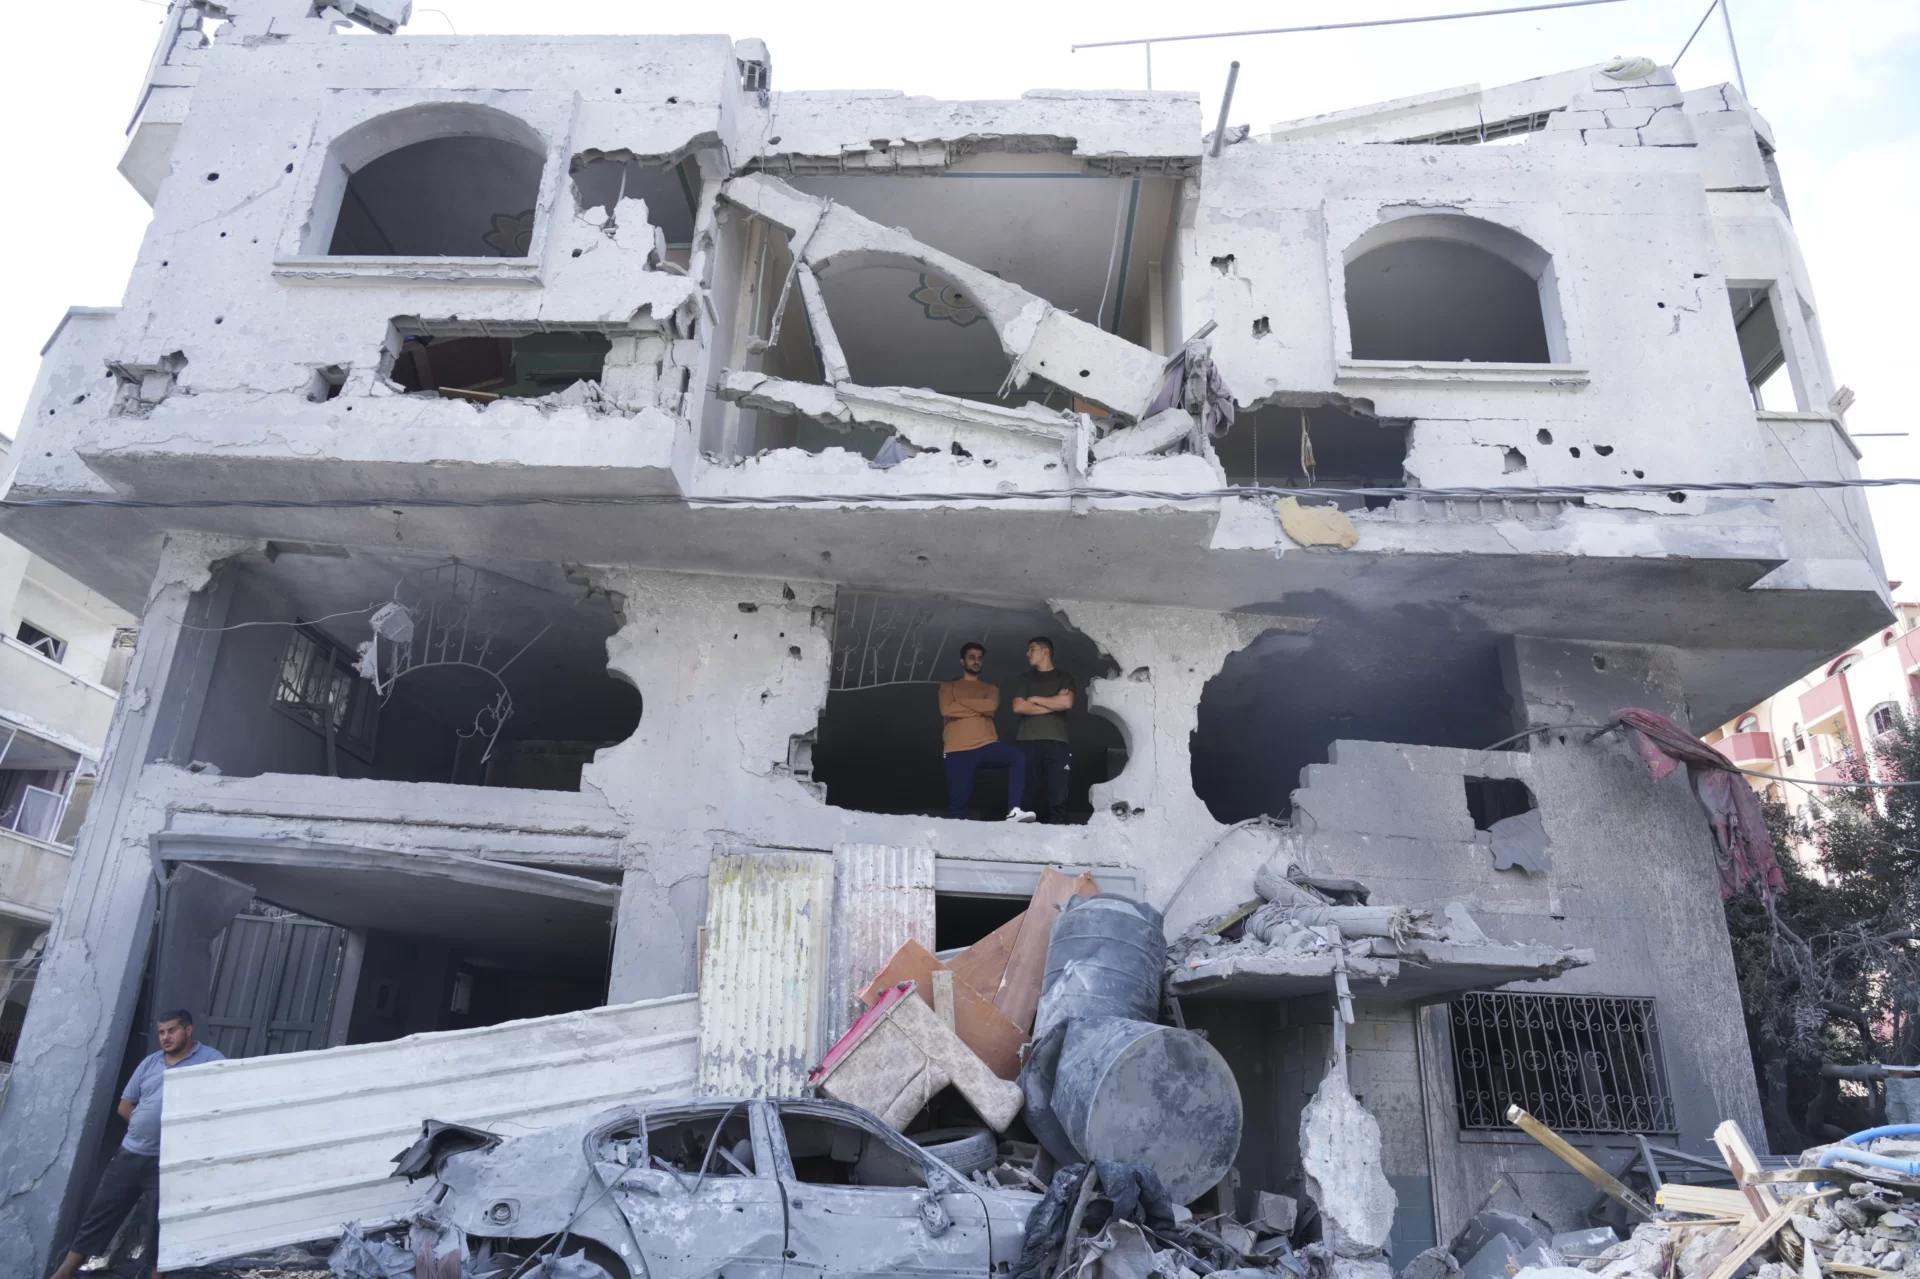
x: 1041, y: 698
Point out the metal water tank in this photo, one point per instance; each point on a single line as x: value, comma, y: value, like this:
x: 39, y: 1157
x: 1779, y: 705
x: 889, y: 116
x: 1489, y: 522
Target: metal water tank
x: 1107, y: 956
x: 1152, y: 1095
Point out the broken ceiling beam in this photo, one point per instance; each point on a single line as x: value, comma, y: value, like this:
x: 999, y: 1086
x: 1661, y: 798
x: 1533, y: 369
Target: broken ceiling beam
x: 833, y: 360
x: 1155, y: 435
x: 926, y: 419
x: 1417, y: 970
x: 1038, y: 339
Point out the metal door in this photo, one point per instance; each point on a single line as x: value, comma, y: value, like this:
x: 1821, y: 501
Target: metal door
x: 274, y: 983
x: 724, y: 1224
x: 873, y: 1231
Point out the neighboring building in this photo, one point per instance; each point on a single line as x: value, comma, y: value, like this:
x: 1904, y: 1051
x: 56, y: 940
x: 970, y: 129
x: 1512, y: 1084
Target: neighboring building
x: 1809, y: 729
x: 63, y: 651
x: 575, y: 459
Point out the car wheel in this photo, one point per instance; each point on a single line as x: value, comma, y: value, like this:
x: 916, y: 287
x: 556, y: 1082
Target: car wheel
x: 965, y: 1150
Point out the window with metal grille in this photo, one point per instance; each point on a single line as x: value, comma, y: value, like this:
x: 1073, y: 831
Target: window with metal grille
x: 1577, y: 1063
x: 317, y: 683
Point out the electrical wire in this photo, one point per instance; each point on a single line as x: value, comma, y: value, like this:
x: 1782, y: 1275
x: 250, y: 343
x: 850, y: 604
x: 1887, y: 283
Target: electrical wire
x: 1251, y: 491
x: 1531, y: 729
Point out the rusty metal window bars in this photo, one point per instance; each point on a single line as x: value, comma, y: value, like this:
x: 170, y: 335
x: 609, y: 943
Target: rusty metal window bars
x: 1578, y: 1063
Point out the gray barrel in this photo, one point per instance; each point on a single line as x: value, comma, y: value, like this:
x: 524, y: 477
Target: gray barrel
x: 1106, y: 959
x: 1151, y: 1095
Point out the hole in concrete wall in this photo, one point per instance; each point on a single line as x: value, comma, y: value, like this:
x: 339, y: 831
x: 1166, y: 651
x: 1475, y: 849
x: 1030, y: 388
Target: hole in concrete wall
x: 1543, y: 435
x: 1349, y: 448
x: 1449, y: 288
x: 1262, y: 327
x: 1424, y: 675
x: 326, y: 383
x: 462, y: 196
x: 601, y: 179
x: 504, y: 681
x: 1604, y: 450
x: 1763, y: 351
x: 1513, y: 460
x: 484, y: 369
x: 961, y: 919
x: 1494, y: 799
x: 879, y: 742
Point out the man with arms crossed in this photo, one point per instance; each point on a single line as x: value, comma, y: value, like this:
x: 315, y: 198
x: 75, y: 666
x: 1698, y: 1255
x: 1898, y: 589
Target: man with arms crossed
x: 135, y: 1167
x: 1042, y: 697
x: 970, y: 740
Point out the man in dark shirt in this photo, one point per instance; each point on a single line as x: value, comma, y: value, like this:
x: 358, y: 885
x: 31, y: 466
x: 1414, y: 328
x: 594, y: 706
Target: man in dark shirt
x: 1041, y: 698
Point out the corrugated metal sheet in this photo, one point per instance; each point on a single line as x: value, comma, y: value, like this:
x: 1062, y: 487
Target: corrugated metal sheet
x: 763, y: 982
x: 882, y: 897
x: 275, y: 1150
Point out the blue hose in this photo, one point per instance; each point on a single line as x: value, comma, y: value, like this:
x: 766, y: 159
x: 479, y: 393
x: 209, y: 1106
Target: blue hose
x: 1888, y: 1130
x: 1834, y: 1154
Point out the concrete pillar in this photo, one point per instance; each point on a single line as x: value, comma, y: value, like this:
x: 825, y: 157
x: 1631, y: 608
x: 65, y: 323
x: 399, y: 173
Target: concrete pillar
x: 66, y: 1068
x: 655, y: 936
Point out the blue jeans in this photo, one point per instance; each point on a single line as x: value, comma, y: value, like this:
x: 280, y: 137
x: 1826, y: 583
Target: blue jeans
x: 961, y: 766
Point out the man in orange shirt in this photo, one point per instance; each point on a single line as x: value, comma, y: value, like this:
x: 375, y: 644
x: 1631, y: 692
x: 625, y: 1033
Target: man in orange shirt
x: 970, y: 740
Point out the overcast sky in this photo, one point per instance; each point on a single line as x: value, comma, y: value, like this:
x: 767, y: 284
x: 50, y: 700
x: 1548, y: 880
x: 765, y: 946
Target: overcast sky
x: 1838, y: 79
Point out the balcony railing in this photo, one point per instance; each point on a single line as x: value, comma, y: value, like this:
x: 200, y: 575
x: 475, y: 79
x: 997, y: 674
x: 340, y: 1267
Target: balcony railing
x: 39, y: 691
x: 33, y: 874
x: 1823, y: 702
x: 1746, y: 748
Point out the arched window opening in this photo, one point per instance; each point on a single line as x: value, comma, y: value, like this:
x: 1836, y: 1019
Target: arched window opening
x: 1278, y: 704
x: 879, y: 747
x: 448, y: 180
x: 1799, y: 738
x: 1883, y: 718
x: 1450, y: 289
x: 1748, y: 724
x: 490, y: 675
x: 1845, y: 662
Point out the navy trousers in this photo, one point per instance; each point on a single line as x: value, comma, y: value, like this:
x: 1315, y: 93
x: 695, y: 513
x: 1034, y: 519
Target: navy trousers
x: 961, y: 766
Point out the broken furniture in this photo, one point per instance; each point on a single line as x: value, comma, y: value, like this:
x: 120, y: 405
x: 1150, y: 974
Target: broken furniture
x: 899, y: 1054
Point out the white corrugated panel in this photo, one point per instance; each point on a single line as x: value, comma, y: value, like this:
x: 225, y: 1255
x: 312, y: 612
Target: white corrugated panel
x: 264, y: 1151
x: 763, y: 981
x: 882, y: 897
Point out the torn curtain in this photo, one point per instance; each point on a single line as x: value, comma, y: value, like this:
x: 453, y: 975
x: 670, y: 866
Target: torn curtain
x: 1739, y: 828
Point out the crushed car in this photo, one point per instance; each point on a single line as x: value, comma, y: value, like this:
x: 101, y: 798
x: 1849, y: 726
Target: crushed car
x: 678, y: 1188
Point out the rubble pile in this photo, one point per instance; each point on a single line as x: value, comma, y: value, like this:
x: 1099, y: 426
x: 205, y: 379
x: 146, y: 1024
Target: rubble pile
x: 1849, y: 1210
x: 1298, y: 913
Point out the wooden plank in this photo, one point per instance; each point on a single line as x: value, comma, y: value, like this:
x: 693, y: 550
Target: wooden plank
x: 1758, y: 1237
x: 1018, y: 996
x: 1608, y: 1183
x: 1743, y: 1164
x: 981, y: 1026
x: 1705, y: 1201
x: 984, y: 963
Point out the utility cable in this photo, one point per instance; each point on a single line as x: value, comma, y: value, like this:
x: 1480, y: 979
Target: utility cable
x: 1531, y: 729
x: 1494, y: 494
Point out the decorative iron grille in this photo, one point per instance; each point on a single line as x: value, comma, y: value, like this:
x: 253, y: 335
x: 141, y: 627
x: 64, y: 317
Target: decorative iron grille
x: 1577, y: 1063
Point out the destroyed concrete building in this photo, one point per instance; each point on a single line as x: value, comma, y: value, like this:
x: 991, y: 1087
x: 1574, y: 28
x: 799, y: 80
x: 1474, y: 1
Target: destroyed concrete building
x: 542, y: 466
